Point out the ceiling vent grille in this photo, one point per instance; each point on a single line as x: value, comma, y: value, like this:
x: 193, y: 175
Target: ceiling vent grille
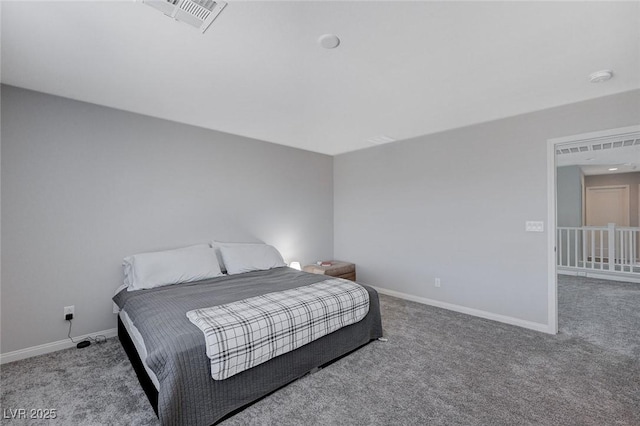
x: 599, y: 146
x: 198, y: 13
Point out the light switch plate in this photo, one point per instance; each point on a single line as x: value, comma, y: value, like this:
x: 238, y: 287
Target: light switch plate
x: 532, y: 226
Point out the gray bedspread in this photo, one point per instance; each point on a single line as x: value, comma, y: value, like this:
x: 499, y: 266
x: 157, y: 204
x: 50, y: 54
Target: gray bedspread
x: 176, y: 351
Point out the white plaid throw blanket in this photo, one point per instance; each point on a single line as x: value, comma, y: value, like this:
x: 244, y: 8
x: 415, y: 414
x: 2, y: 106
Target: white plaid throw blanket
x: 243, y: 334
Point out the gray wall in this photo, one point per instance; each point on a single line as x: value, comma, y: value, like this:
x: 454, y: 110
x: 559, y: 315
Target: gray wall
x: 569, y: 187
x: 631, y: 179
x: 453, y: 205
x: 84, y: 185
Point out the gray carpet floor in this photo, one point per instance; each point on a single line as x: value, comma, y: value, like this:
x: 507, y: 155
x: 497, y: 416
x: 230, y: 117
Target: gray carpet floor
x: 438, y: 368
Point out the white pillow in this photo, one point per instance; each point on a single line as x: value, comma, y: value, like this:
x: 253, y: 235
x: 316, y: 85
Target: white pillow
x: 241, y: 257
x: 216, y: 246
x: 149, y: 270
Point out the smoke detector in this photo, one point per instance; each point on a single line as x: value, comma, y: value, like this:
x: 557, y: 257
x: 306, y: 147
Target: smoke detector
x: 197, y: 13
x: 329, y: 41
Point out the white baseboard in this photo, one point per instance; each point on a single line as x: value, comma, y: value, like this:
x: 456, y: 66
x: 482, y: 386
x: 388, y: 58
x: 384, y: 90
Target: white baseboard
x: 51, y: 347
x: 112, y: 332
x: 604, y: 275
x: 469, y: 311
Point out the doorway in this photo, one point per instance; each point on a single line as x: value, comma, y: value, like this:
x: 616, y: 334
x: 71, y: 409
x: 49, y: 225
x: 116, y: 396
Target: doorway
x: 605, y: 205
x: 596, y: 149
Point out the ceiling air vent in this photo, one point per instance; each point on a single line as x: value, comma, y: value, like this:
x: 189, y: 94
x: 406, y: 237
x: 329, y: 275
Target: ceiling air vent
x: 600, y: 145
x: 198, y: 13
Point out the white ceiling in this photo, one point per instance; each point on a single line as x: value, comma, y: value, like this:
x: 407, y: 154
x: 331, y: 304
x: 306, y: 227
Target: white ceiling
x: 403, y: 69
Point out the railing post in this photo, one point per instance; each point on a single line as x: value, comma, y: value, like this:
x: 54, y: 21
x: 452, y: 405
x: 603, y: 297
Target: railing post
x: 611, y: 252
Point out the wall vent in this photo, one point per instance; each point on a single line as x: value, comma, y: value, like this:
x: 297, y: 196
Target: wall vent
x: 379, y: 140
x: 198, y: 13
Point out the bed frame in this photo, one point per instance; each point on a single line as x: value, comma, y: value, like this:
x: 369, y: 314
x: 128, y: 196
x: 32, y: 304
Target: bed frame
x: 144, y: 379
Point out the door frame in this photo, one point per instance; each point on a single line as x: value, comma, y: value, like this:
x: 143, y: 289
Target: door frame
x: 552, y: 277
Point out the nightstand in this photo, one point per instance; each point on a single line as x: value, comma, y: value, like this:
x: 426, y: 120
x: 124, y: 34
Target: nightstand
x: 337, y: 269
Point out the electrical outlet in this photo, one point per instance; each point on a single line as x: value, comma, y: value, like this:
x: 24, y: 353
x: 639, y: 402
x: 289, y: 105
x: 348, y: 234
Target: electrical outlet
x: 437, y: 283
x: 69, y: 310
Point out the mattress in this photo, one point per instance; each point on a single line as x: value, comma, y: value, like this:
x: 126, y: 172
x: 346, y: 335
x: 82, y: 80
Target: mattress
x: 138, y: 342
x: 175, y: 349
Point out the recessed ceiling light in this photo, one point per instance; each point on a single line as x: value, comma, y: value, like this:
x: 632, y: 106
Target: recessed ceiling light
x: 590, y: 159
x: 600, y: 76
x: 613, y: 169
x: 329, y: 41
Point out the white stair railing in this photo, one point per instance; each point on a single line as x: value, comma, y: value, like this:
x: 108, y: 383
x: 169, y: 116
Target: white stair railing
x: 602, y: 248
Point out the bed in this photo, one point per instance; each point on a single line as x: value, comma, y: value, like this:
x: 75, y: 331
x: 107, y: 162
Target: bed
x: 168, y: 352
